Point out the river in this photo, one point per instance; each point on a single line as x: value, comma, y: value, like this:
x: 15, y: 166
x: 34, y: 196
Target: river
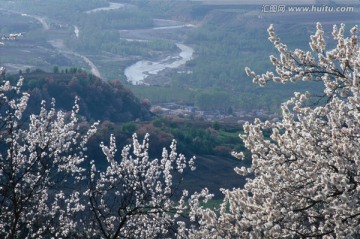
x: 76, y: 31
x: 112, y: 6
x: 138, y: 72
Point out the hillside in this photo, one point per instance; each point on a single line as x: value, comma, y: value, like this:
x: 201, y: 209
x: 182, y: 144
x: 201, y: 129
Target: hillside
x: 99, y: 99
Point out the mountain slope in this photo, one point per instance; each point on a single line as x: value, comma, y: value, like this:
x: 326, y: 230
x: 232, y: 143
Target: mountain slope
x: 99, y: 99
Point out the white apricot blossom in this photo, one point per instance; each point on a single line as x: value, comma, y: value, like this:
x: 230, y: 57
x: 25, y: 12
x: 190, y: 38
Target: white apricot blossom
x: 306, y: 177
x: 38, y: 157
x: 11, y: 36
x: 135, y: 197
x: 47, y: 191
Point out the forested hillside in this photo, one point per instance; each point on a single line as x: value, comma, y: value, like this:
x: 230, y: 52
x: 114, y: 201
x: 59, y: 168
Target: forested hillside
x: 99, y: 99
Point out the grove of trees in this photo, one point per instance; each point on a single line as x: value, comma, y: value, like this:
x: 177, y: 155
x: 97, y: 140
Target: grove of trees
x: 303, y: 181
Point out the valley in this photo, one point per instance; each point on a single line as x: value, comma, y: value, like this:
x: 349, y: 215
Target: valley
x: 179, y: 52
x: 171, y: 71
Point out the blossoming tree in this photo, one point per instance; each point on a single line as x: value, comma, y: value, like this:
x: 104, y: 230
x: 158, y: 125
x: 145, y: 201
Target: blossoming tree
x: 47, y: 189
x: 50, y: 189
x: 136, y: 197
x: 307, y: 174
x: 39, y: 159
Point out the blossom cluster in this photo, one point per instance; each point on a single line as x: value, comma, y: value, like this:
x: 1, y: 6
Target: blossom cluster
x: 49, y: 188
x: 306, y: 180
x: 136, y: 196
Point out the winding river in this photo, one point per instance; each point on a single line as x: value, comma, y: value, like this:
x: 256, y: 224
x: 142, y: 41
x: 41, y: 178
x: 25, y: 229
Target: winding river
x: 137, y: 72
x: 112, y: 6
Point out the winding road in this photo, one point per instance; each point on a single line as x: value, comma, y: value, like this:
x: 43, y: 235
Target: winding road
x: 58, y: 43
x: 60, y: 46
